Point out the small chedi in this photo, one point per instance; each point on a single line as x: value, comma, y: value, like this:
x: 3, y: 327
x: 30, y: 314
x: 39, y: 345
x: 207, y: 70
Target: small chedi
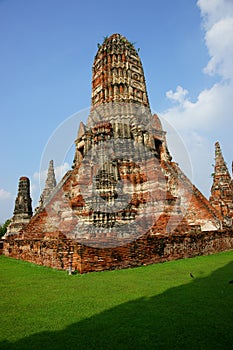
x: 23, y: 207
x: 222, y: 189
x: 50, y: 184
x: 124, y: 202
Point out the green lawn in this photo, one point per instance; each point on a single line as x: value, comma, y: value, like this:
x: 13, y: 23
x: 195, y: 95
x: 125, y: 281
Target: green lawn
x: 154, y: 307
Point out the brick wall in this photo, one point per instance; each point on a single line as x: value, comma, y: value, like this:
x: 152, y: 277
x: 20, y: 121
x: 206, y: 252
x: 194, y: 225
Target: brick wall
x: 146, y: 250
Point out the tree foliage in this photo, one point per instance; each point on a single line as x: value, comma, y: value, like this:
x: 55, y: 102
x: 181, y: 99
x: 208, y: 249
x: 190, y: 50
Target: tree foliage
x: 3, y: 228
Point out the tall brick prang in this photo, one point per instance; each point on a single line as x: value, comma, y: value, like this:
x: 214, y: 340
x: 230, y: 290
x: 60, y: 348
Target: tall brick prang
x: 117, y: 74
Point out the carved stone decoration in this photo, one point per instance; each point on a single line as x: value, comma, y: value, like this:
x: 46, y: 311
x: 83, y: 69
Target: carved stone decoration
x: 125, y: 202
x: 23, y: 207
x: 117, y: 74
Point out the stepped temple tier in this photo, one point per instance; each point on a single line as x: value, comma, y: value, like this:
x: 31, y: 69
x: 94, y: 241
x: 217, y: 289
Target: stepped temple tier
x: 125, y: 202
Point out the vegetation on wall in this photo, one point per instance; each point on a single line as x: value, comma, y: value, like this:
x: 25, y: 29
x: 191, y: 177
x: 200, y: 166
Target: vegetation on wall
x: 3, y: 227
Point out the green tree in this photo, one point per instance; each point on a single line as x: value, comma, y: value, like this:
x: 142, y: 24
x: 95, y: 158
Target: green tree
x: 3, y: 228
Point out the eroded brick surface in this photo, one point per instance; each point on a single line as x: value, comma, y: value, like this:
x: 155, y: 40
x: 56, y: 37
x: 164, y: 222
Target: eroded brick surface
x: 151, y: 248
x: 125, y: 202
x: 222, y: 189
x: 23, y: 208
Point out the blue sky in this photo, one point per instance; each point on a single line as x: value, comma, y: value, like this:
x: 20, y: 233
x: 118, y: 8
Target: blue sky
x: 47, y: 52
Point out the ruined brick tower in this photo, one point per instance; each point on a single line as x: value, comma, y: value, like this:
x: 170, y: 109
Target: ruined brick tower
x: 118, y: 74
x: 23, y: 207
x: 160, y: 194
x: 50, y: 184
x: 125, y: 202
x: 222, y: 189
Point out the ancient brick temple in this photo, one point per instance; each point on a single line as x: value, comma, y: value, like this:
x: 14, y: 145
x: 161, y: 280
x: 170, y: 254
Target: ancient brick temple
x: 125, y: 202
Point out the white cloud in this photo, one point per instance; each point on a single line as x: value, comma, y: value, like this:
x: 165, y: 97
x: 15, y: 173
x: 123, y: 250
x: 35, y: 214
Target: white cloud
x: 61, y: 170
x: 7, y: 203
x: 209, y: 118
x: 4, y: 194
x: 219, y: 41
x: 218, y: 23
x: 177, y: 96
x: 213, y: 11
x: 40, y: 176
x: 207, y: 112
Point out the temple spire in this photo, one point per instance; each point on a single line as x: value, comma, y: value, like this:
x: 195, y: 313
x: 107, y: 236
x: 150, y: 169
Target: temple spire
x: 117, y: 73
x: 23, y: 207
x: 221, y: 169
x: 222, y: 189
x: 50, y: 184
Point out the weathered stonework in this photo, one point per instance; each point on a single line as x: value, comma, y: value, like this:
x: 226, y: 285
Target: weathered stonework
x: 222, y: 189
x: 63, y: 253
x: 118, y: 74
x: 125, y: 202
x: 23, y: 208
x: 50, y: 184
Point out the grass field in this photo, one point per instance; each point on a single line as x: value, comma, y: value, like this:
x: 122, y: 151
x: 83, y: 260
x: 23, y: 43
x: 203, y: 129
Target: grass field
x: 152, y: 307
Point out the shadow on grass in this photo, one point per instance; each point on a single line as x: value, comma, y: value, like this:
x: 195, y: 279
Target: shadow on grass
x: 198, y: 315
